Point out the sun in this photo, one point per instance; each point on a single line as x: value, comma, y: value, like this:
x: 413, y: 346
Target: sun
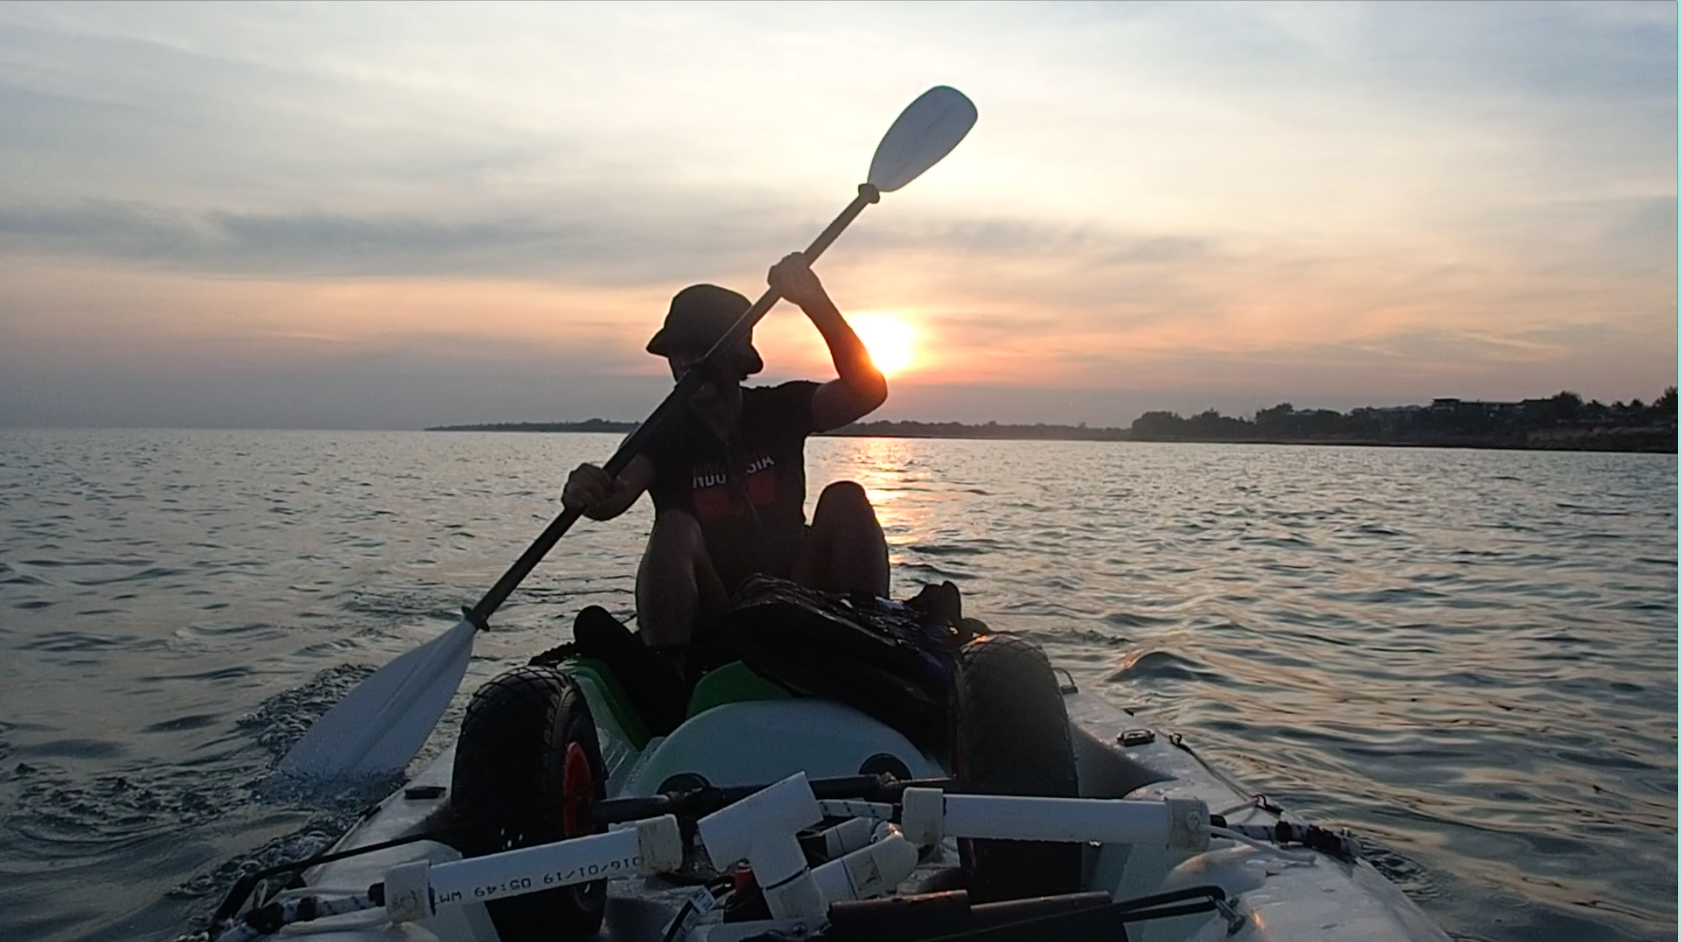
x: 890, y: 340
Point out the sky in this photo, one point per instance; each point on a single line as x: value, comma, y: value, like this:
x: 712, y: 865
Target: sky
x: 398, y: 215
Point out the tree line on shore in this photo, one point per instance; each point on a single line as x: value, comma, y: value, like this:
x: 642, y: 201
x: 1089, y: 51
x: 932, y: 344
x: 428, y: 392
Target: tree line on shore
x: 1563, y: 420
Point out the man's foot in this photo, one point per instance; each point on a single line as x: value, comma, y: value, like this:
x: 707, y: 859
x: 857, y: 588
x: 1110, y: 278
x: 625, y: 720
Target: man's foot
x: 944, y: 604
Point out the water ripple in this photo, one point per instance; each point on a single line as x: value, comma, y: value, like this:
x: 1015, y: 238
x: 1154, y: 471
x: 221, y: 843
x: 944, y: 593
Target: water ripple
x: 1465, y: 657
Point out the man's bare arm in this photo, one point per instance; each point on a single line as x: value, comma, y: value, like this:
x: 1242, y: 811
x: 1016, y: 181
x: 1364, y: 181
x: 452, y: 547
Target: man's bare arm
x: 860, y: 388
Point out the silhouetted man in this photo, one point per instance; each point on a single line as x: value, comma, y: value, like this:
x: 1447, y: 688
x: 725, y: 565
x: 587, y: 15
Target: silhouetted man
x: 728, y: 475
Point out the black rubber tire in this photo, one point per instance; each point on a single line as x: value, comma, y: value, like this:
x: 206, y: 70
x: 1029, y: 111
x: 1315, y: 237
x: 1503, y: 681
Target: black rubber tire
x: 525, y: 733
x: 1010, y: 737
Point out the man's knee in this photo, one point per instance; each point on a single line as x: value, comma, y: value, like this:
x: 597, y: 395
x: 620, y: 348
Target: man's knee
x: 844, y: 497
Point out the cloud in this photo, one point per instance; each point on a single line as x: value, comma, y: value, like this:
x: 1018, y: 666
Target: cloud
x: 1285, y: 198
x: 596, y: 239
x: 1005, y: 300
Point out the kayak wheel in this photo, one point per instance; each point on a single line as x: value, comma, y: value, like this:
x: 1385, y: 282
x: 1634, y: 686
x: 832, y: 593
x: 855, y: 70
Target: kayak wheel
x: 526, y: 768
x: 1010, y: 737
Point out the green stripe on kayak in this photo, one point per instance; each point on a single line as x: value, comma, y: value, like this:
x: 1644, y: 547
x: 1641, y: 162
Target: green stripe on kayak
x: 733, y: 683
x: 618, y: 702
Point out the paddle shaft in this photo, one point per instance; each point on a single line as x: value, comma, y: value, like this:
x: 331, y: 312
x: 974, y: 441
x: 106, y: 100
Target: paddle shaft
x: 693, y: 379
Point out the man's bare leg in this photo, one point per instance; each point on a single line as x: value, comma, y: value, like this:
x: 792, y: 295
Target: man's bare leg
x: 845, y: 550
x: 676, y: 585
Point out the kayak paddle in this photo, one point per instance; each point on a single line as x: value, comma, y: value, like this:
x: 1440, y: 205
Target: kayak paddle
x: 380, y: 725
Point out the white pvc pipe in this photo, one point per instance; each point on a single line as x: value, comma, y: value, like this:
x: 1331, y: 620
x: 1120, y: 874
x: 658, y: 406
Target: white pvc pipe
x: 848, y: 836
x: 651, y: 846
x: 869, y: 871
x: 762, y: 828
x: 781, y: 809
x: 849, y: 808
x: 1057, y: 819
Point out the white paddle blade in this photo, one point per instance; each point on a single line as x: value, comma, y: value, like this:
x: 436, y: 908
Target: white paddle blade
x: 924, y: 133
x: 380, y: 725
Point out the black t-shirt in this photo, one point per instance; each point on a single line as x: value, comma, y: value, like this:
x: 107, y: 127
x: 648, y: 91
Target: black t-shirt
x: 763, y: 465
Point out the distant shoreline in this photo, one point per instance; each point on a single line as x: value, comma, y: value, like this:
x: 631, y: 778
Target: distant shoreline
x: 590, y: 425
x: 1653, y: 440
x: 991, y: 431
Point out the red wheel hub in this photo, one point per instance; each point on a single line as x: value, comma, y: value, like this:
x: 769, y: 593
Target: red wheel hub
x: 577, y: 784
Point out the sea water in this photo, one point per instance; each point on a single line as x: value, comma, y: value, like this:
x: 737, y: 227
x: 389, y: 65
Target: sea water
x: 1466, y: 657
